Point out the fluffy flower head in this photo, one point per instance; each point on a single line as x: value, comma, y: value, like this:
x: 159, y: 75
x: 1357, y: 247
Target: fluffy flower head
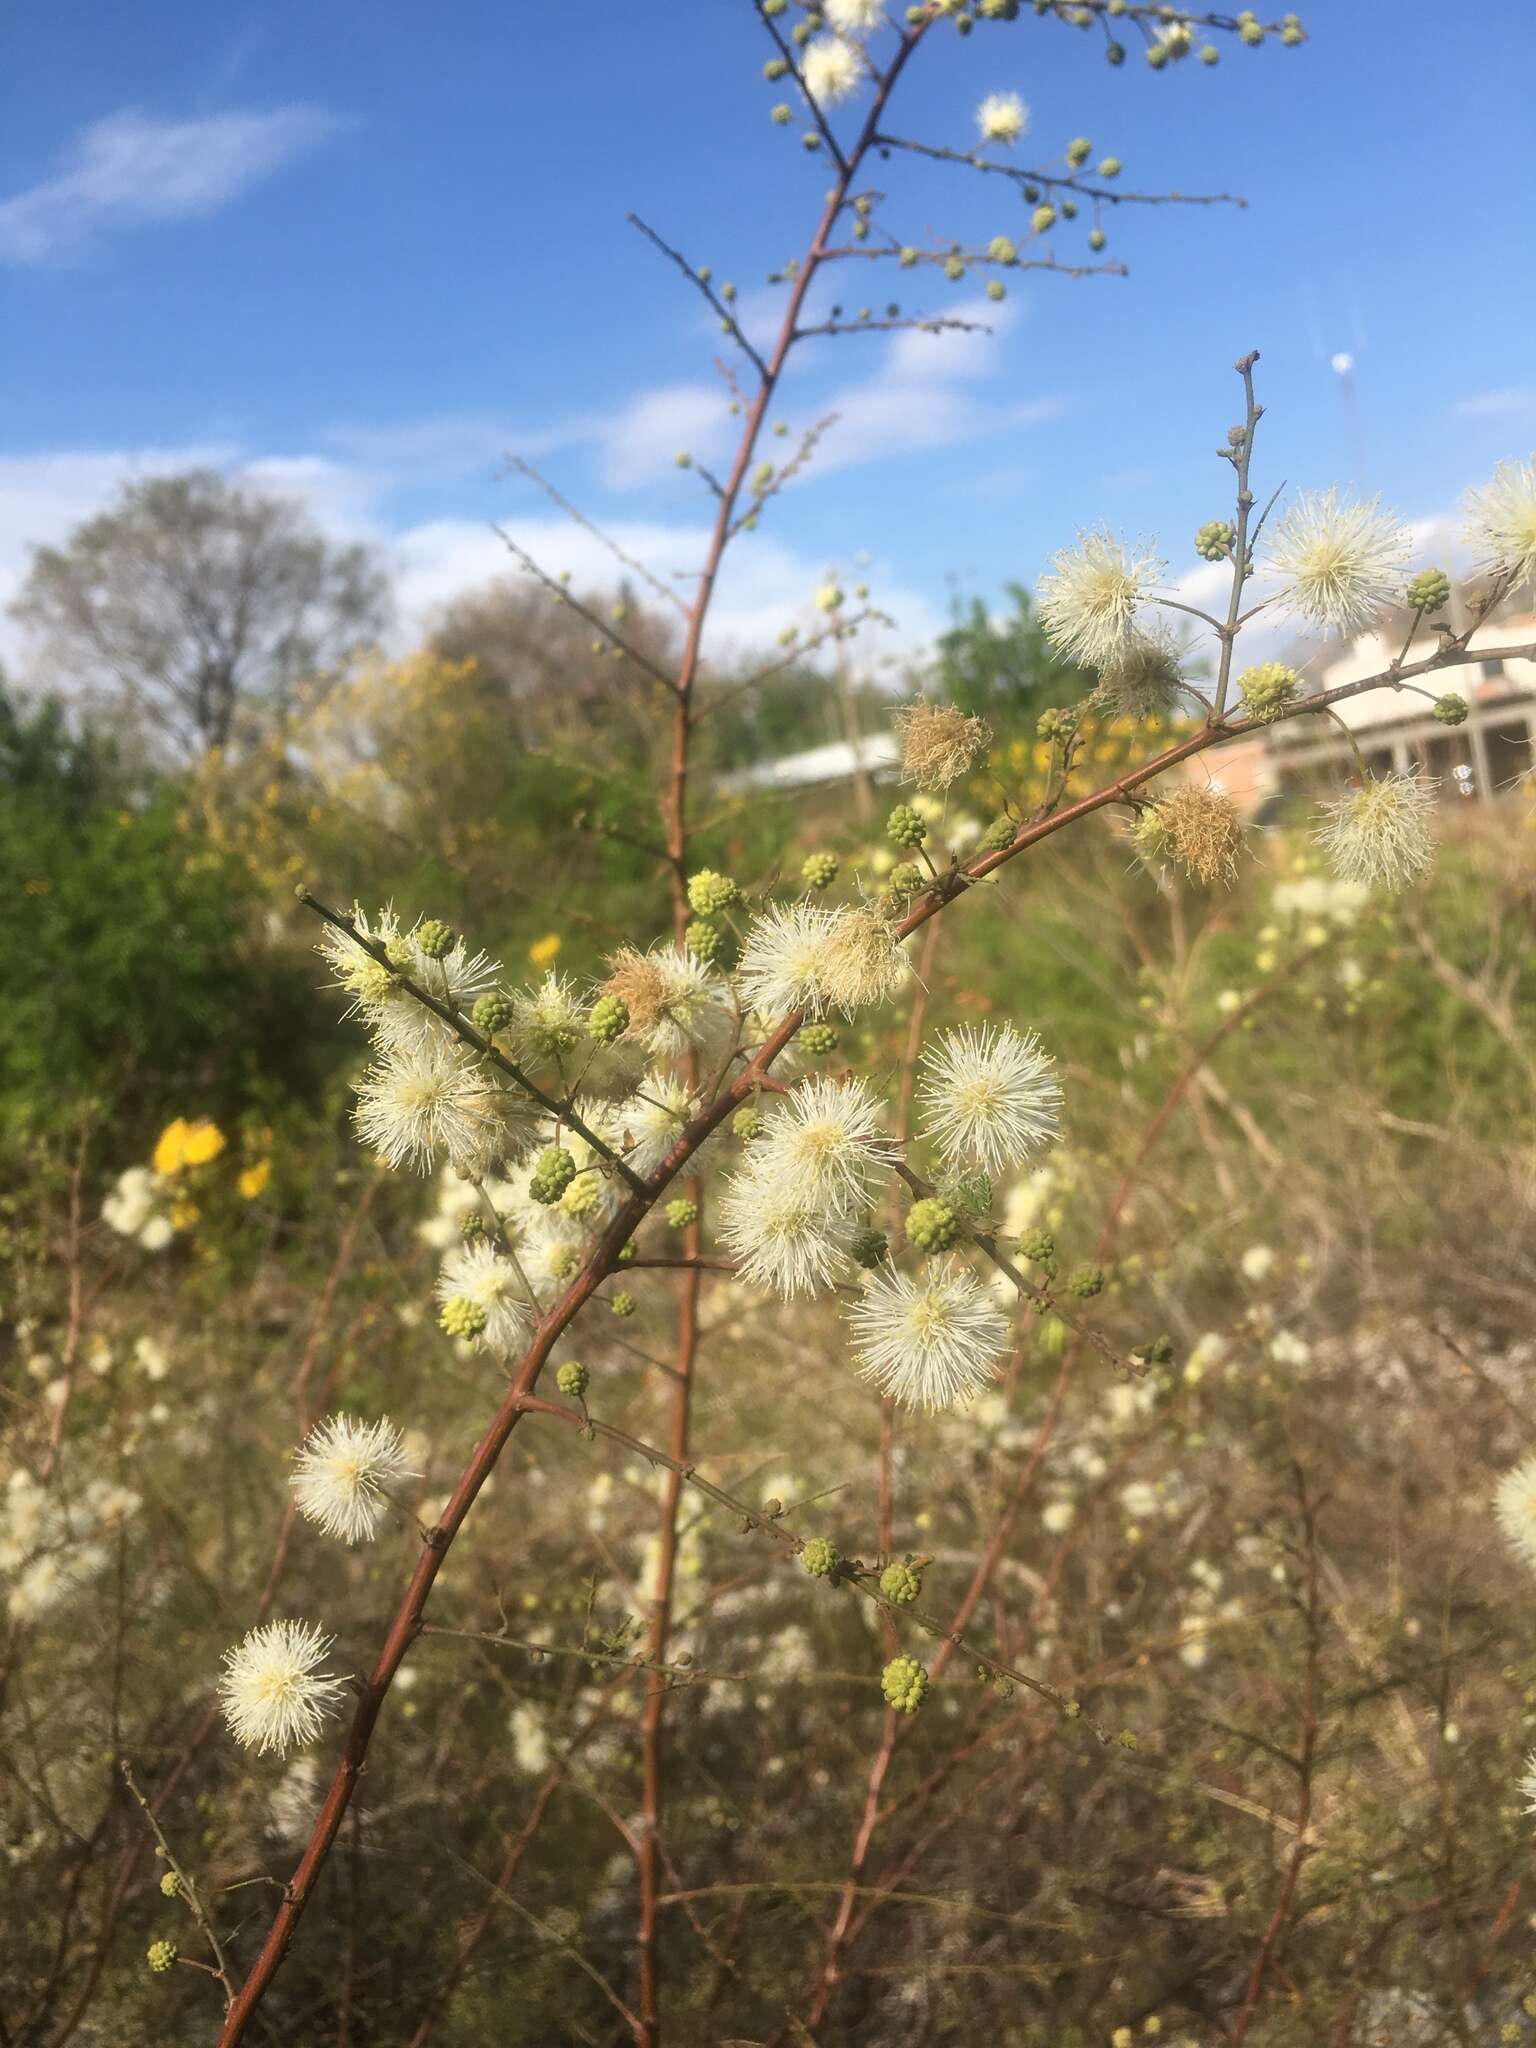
x: 653, y: 1117
x: 1143, y: 679
x: 1338, y: 559
x: 1501, y: 519
x: 674, y: 1002
x: 989, y: 1096
x: 938, y: 743
x: 779, y: 1234
x: 477, y: 1272
x: 783, y: 962
x: 274, y: 1696
x: 826, y: 1143
x: 428, y: 1099
x: 1514, y: 1506
x: 862, y: 961
x: 1002, y: 117
x: 1089, y: 594
x: 832, y: 69
x: 341, y: 1473
x: 1380, y: 833
x: 854, y: 17
x: 932, y: 1341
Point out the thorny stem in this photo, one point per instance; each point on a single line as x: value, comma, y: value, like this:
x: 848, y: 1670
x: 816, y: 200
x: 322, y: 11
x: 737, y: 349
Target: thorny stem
x: 1241, y: 456
x: 185, y: 1887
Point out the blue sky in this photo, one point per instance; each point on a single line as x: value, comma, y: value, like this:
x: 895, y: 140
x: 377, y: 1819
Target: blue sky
x: 365, y: 252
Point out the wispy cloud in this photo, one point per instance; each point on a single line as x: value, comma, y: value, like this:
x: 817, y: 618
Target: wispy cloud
x: 130, y: 170
x: 1518, y: 402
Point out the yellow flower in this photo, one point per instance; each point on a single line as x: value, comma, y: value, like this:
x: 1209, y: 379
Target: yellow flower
x: 182, y: 1144
x: 254, y: 1179
x: 183, y: 1215
x: 542, y: 951
x: 170, y: 1148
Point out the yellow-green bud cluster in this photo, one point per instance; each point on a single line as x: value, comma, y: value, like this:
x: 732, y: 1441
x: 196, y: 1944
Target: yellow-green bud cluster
x: 1003, y: 249
x: 1079, y: 149
x: 609, y: 1019
x: 868, y: 1249
x: 161, y: 1956
x: 472, y: 1224
x: 1451, y: 709
x: 819, y: 1558
x: 996, y: 289
x: 573, y: 1379
x: 492, y: 1013
x: 170, y: 1884
x: 900, y: 1584
x: 623, y: 1305
x: 1000, y: 833
x: 553, y: 1172
x: 563, y: 1261
x: 681, y: 1212
x: 434, y: 938
x: 1430, y: 591
x: 627, y: 1254
x: 710, y: 893
x: 747, y: 1124
x: 819, y: 870
x: 461, y: 1317
x: 1096, y: 238
x: 1039, y: 1247
x: 1110, y: 167
x: 1043, y: 218
x: 907, y: 879
x: 703, y: 939
x: 906, y: 827
x: 818, y: 1040
x: 1086, y: 1282
x: 904, y: 1682
x: 932, y: 1225
x: 1214, y: 539
x: 1267, y: 689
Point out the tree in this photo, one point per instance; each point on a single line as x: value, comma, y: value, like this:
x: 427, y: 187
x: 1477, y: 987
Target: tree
x: 1003, y: 667
x: 196, y: 601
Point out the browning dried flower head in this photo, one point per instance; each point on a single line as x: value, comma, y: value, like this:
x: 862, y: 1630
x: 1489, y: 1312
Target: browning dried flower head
x: 1196, y: 826
x: 1143, y: 680
x: 641, y: 985
x: 862, y: 961
x: 1380, y: 832
x: 938, y: 743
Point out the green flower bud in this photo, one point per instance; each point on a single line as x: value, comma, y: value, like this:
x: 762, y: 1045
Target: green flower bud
x: 1043, y: 218
x: 681, y: 1213
x: 900, y: 1584
x: 703, y: 939
x: 1127, y: 1739
x: 170, y: 1884
x: 906, y: 827
x: 1069, y: 209
x: 932, y: 1225
x: 582, y: 1197
x: 907, y: 879
x: 908, y: 257
x: 434, y: 938
x: 563, y: 1261
x: 1267, y: 689
x: 775, y: 67
x: 1000, y: 833
x: 1451, y: 709
x: 609, y: 1019
x: 819, y: 1558
x: 996, y: 289
x: 1096, y: 238
x: 747, y: 1123
x: 1430, y: 591
x: 161, y: 1956
x: 1003, y: 249
x: 572, y: 1379
x: 1110, y: 167
x: 1114, y: 53
x: 1209, y: 54
x: 954, y: 268
x: 1252, y: 34
x: 461, y: 1317
x: 553, y: 1172
x: 492, y: 1013
x: 472, y: 1224
x: 819, y: 870
x: 781, y: 114
x: 1079, y: 149
x: 819, y: 1040
x: 627, y: 1254
x: 1292, y: 33
x: 1086, y: 1282
x: 904, y: 1682
x: 1213, y: 540
x: 683, y: 459
x: 1158, y: 55
x: 1038, y: 1246
x: 709, y: 893
x: 623, y: 1304
x: 868, y: 1248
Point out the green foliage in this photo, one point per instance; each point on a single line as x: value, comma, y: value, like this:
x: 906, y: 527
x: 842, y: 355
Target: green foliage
x: 1004, y: 669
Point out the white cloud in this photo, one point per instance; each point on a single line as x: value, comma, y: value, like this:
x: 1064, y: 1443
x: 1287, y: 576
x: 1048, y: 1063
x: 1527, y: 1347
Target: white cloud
x: 644, y: 439
x: 130, y: 169
x: 1518, y: 402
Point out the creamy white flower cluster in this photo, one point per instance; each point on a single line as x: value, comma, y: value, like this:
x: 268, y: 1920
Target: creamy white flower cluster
x: 53, y: 1543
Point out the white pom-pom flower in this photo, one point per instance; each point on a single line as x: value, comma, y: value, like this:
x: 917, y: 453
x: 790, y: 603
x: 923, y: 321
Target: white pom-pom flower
x: 1338, y: 560
x: 989, y: 1096
x: 1002, y: 117
x: 1501, y: 519
x: 275, y: 1697
x: 853, y: 17
x: 931, y: 1341
x: 826, y: 1142
x: 1380, y: 833
x: 342, y: 1474
x: 653, y: 1118
x: 1089, y: 595
x: 477, y: 1272
x: 1514, y: 1506
x: 783, y: 963
x: 779, y: 1234
x: 426, y: 1101
x: 832, y: 70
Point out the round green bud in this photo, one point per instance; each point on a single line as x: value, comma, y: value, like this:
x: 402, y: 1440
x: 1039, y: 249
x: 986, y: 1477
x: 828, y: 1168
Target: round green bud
x: 434, y: 938
x: 161, y: 1956
x: 492, y: 1013
x: 1252, y: 34
x: 461, y: 1317
x: 801, y: 33
x: 811, y: 140
x: 1079, y: 149
x: 627, y: 1254
x: 868, y: 1248
x: 553, y: 1172
x: 1043, y: 218
x: 1267, y: 689
x: 1050, y: 725
x: 905, y: 826
x: 900, y: 1584
x: 681, y: 1213
x: 1214, y: 539
x: 1003, y: 249
x: 1097, y: 238
x: 170, y: 1884
x: 781, y: 114
x: 954, y: 268
x: 819, y: 1040
x: 762, y: 477
x: 703, y: 939
x: 904, y: 1682
x: 623, y: 1304
x: 1069, y: 209
x: 747, y: 1124
x: 708, y: 892
x: 1451, y: 709
x: 1038, y: 1246
x: 996, y: 289
x: 907, y: 879
x: 1086, y: 1282
x: 775, y: 67
x: 1000, y: 833
x: 819, y: 870
x: 563, y: 1261
x: 1114, y: 53
x: 1158, y: 55
x: 572, y: 1379
x: 1110, y: 167
x: 1292, y: 33
x: 774, y: 6
x: 1209, y: 54
x: 609, y: 1019
x: 683, y: 459
x: 472, y: 1224
x: 728, y: 291
x: 819, y: 1558
x: 583, y: 1197
x: 932, y: 1225
x: 1430, y: 591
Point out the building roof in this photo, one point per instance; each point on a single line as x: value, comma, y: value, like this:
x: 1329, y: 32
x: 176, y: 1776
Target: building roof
x: 874, y: 754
